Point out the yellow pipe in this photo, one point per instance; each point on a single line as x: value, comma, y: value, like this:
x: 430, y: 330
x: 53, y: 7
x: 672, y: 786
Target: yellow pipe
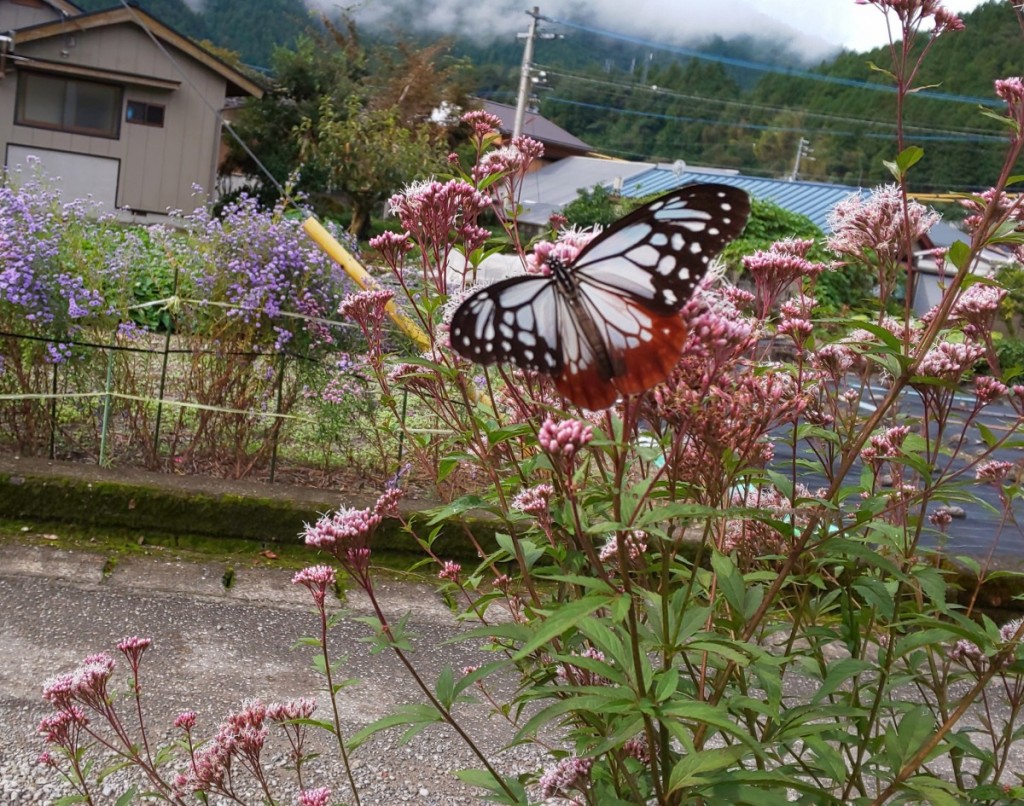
x: 315, y: 230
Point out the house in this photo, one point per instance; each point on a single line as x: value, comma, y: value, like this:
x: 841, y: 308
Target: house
x: 812, y: 199
x: 558, y: 143
x: 931, y: 277
x: 114, y: 104
x: 550, y: 188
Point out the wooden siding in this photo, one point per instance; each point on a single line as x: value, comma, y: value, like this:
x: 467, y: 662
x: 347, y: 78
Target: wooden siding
x: 159, y: 165
x: 14, y: 15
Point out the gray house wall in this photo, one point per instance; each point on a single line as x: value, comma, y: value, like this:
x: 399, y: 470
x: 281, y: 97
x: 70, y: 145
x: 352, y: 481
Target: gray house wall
x: 158, y: 166
x: 15, y: 15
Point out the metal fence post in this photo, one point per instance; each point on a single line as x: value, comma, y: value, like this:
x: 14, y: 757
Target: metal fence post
x: 104, y: 426
x: 53, y: 414
x: 276, y: 428
x: 163, y: 372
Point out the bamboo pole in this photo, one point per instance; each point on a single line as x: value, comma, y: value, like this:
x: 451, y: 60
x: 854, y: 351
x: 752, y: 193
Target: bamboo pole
x: 315, y: 230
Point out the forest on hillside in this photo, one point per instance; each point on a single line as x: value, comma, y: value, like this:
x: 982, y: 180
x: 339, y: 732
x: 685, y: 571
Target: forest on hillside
x: 637, y: 101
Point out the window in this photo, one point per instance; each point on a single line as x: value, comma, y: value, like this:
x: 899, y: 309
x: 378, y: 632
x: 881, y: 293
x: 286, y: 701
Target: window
x: 147, y: 114
x: 68, y: 104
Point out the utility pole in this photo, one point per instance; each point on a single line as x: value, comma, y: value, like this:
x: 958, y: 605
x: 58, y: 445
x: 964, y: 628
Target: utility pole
x: 525, y: 73
x: 803, y: 151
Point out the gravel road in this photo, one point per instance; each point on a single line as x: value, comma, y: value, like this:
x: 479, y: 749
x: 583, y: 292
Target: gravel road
x: 212, y: 649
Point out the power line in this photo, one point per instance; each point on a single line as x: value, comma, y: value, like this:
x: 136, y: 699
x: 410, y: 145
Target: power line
x: 941, y: 138
x: 661, y: 91
x: 795, y: 72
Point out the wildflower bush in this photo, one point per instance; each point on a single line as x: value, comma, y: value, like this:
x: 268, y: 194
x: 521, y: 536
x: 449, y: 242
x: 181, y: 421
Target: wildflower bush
x: 249, y: 290
x: 51, y: 291
x: 690, y: 620
x: 203, y: 329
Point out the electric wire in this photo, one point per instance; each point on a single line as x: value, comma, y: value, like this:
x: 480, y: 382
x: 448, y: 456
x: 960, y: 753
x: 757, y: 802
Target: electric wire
x: 951, y: 138
x: 762, y: 67
x: 218, y: 113
x: 662, y: 91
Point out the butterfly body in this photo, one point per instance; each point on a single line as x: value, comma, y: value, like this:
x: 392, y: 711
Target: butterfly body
x: 607, y: 325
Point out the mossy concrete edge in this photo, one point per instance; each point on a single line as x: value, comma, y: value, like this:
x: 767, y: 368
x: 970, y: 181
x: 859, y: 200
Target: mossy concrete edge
x: 53, y: 497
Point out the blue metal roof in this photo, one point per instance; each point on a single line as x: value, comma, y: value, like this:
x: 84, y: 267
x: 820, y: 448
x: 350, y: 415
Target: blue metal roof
x: 812, y: 199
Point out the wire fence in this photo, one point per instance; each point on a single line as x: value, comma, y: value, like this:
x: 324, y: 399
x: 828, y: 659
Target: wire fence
x: 182, y: 402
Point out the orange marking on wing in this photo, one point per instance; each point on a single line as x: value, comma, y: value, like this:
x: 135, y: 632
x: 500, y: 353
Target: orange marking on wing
x: 643, y: 368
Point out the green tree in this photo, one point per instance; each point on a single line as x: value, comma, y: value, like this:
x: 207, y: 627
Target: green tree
x: 368, y: 154
x: 353, y: 122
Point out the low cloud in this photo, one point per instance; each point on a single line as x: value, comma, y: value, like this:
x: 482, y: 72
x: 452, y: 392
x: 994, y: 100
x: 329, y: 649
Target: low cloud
x: 663, y: 21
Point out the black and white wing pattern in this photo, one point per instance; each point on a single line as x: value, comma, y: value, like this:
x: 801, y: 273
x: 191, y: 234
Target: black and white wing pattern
x: 607, y: 325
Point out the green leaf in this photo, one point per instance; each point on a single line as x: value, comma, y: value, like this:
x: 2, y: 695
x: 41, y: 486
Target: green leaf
x: 667, y: 684
x: 127, y: 797
x: 730, y: 580
x: 417, y: 717
x: 690, y: 768
x: 456, y: 507
x: 934, y: 791
x: 702, y: 712
x: 530, y: 550
x: 485, y: 780
x: 838, y: 673
x: 959, y: 254
x: 563, y: 618
x: 906, y: 160
x: 445, y: 687
x: 914, y: 728
x: 506, y: 433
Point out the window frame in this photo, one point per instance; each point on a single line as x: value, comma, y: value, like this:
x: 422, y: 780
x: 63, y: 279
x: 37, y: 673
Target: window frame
x: 144, y: 120
x: 25, y: 77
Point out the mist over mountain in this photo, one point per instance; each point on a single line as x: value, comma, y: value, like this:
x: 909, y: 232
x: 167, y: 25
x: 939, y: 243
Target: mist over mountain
x: 252, y: 28
x: 610, y: 84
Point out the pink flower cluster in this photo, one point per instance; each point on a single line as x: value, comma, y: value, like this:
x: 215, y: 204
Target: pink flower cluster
x: 564, y: 250
x: 988, y: 389
x: 718, y: 333
x: 318, y: 579
x: 948, y: 361
x: 450, y: 571
x: 976, y: 307
x: 994, y: 471
x: 87, y: 684
x: 863, y: 229
x: 346, y: 527
x: 314, y: 797
x: 569, y: 774
x: 482, y: 123
x: 367, y: 307
x: 534, y: 500
x: 752, y: 537
x: 913, y: 12
x: 778, y: 268
x: 565, y: 438
x: 241, y: 736
x: 435, y: 213
x: 1011, y: 90
x: 970, y: 654
x: 635, y: 543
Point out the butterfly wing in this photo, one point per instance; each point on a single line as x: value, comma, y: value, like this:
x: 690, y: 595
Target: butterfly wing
x: 617, y: 331
x: 641, y: 347
x: 659, y: 253
x: 516, y: 320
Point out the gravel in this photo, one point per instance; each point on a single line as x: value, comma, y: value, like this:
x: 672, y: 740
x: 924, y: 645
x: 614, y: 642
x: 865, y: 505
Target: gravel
x: 212, y: 649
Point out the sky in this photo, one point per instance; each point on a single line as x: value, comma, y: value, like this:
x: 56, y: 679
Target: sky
x: 813, y: 28
x: 837, y: 22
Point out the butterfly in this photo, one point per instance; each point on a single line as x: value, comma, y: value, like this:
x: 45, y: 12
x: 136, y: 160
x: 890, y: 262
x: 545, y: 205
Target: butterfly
x: 607, y: 325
